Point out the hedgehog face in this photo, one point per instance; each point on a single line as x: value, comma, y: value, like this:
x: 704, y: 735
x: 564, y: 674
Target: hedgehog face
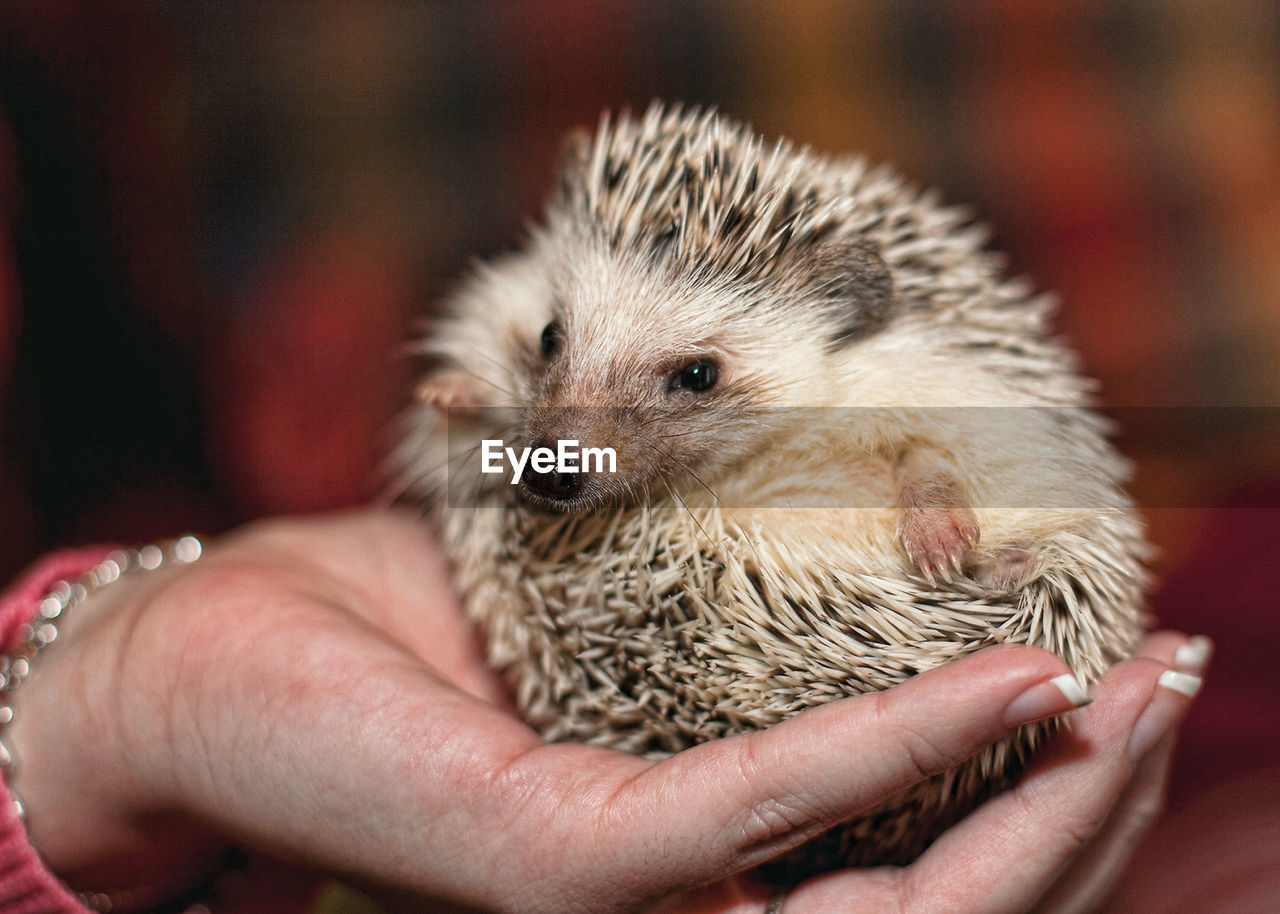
x: 613, y: 368
x: 679, y: 373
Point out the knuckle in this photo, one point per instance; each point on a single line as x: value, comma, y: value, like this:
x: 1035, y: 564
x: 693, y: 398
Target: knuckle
x: 1074, y: 826
x: 780, y: 807
x: 1146, y: 811
x: 895, y: 891
x: 926, y: 756
x: 924, y: 753
x: 1078, y: 830
x: 771, y: 819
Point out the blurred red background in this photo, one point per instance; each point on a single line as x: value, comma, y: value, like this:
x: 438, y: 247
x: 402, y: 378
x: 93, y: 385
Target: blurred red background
x: 221, y: 220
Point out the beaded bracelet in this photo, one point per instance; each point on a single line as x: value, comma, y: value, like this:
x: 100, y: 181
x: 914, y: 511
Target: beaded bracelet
x: 62, y: 598
x: 227, y: 877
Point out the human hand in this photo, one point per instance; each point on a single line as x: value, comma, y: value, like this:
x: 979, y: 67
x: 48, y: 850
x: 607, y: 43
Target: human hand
x: 309, y: 688
x: 1057, y: 841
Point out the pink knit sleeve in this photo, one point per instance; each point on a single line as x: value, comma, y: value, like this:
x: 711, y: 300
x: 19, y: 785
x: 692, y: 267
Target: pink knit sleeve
x: 26, y: 885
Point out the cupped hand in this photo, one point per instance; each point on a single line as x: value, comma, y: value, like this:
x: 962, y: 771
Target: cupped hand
x: 1057, y: 841
x: 310, y: 688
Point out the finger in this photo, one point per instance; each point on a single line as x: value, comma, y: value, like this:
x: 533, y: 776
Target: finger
x: 1089, y: 877
x: 1013, y: 847
x: 1163, y: 647
x: 733, y: 803
x: 736, y: 895
x: 1091, y: 873
x: 1067, y: 795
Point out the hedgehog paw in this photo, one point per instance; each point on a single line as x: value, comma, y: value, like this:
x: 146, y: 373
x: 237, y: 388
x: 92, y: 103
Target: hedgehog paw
x: 937, y: 539
x: 1008, y: 570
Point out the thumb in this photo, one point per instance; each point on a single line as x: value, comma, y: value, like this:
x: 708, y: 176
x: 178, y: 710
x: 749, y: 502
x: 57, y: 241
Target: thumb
x: 730, y: 804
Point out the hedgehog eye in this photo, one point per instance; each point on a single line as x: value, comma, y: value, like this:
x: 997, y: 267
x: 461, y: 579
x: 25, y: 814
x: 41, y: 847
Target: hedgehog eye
x: 697, y: 376
x: 550, y: 339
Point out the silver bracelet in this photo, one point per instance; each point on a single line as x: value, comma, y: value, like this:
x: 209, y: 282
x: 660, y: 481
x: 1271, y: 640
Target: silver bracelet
x: 62, y: 598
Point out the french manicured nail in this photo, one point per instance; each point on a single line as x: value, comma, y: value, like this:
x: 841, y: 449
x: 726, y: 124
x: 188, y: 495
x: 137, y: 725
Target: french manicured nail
x: 1161, y: 715
x: 1184, y: 683
x: 1194, y: 656
x: 1045, y: 699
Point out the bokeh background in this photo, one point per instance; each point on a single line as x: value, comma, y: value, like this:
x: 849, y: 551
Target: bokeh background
x: 220, y: 221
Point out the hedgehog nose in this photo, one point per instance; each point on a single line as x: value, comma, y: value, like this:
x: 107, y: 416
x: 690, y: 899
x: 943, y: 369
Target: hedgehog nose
x: 552, y: 483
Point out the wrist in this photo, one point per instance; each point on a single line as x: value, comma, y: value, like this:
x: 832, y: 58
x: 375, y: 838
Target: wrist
x: 26, y: 883
x: 27, y: 886
x: 67, y: 736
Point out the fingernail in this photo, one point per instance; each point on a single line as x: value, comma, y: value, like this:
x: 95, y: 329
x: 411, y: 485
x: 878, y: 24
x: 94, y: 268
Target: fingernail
x: 1159, y: 716
x: 1183, y: 683
x: 1045, y: 699
x: 1194, y: 656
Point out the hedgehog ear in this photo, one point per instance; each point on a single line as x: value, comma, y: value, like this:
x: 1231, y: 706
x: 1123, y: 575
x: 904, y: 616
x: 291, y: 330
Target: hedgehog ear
x: 854, y: 283
x: 452, y: 390
x: 575, y: 157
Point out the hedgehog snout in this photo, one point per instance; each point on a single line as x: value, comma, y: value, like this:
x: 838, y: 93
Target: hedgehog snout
x: 558, y: 486
x: 570, y: 464
x: 602, y: 454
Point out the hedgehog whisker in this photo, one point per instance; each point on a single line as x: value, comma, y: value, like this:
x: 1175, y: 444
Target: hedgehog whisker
x: 676, y: 435
x: 484, y: 355
x: 667, y: 457
x: 668, y: 415
x: 687, y: 510
x: 658, y: 417
x: 698, y: 479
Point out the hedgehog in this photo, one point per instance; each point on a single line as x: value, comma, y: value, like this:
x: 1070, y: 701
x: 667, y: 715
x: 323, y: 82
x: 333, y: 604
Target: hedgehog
x: 842, y: 448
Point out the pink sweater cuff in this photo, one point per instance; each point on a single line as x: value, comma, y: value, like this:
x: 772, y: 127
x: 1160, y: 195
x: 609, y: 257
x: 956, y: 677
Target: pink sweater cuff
x: 26, y: 885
